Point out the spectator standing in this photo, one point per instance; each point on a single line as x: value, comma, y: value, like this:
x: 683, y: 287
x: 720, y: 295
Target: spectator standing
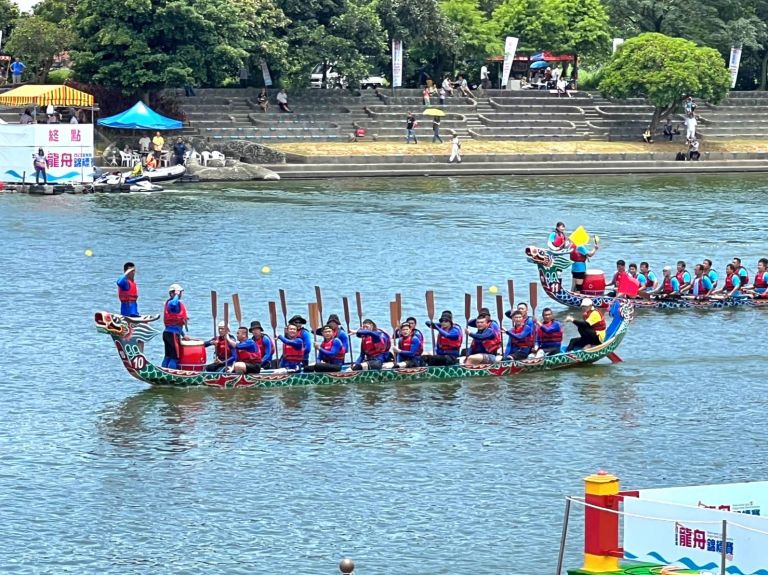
x: 17, y: 69
x: 425, y: 97
x: 556, y: 74
x: 455, y: 149
x: 690, y: 126
x: 50, y: 111
x: 26, y: 117
x: 40, y: 164
x: 690, y: 105
x: 179, y: 149
x: 244, y: 75
x: 410, y: 128
x: 669, y: 130
x: 436, y: 130
x: 485, y: 77
x: 442, y: 96
x: 157, y: 144
x: 282, y: 101
x: 144, y: 143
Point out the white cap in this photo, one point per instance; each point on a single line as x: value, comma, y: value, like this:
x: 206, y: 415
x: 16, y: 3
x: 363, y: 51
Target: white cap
x: 667, y: 269
x: 175, y: 287
x: 222, y: 324
x: 586, y: 302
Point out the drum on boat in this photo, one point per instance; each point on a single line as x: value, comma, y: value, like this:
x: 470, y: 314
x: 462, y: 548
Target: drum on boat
x: 193, y: 356
x: 594, y: 283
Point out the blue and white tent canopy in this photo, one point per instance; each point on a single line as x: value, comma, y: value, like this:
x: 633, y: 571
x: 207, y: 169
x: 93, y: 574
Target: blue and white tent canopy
x: 140, y: 117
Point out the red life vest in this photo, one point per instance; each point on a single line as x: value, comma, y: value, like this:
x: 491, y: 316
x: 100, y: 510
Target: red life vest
x: 680, y: 278
x: 222, y: 348
x: 407, y: 342
x: 760, y: 282
x: 697, y: 287
x: 525, y: 343
x: 372, y: 349
x: 729, y: 282
x: 577, y: 256
x: 129, y: 295
x: 600, y: 325
x: 261, y: 345
x: 447, y: 345
x: 547, y: 338
x: 177, y: 319
x: 667, y: 285
x: 248, y: 356
x: 743, y: 277
x: 327, y: 345
x: 490, y: 345
x: 293, y: 354
x: 559, y: 239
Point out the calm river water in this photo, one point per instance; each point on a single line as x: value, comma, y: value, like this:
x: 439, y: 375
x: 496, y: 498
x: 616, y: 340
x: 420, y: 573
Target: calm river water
x: 102, y: 475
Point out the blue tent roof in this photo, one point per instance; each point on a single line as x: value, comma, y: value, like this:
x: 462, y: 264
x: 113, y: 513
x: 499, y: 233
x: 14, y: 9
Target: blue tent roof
x: 140, y: 117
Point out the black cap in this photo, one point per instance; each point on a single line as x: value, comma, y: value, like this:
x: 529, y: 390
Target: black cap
x: 255, y: 324
x: 447, y: 312
x: 297, y: 319
x: 446, y: 317
x: 333, y: 318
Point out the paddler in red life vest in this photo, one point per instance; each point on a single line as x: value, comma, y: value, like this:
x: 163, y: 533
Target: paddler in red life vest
x: 338, y: 331
x: 683, y: 277
x: 374, y: 347
x: 264, y: 343
x: 558, y: 241
x: 127, y: 291
x: 522, y: 338
x: 222, y: 356
x: 701, y: 285
x: 486, y: 342
x: 731, y: 284
x: 448, y: 345
x: 407, y: 348
x: 549, y: 336
x: 741, y: 271
x: 759, y: 289
x: 591, y: 327
x: 710, y: 273
x: 330, y: 352
x: 304, y: 334
x: 175, y: 319
x: 579, y: 257
x: 613, y: 285
x: 293, y: 348
x: 246, y: 352
x: 411, y: 321
x: 669, y: 286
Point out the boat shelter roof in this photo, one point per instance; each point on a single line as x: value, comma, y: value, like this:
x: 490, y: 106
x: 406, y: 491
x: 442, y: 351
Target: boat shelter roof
x: 42, y: 95
x: 141, y: 117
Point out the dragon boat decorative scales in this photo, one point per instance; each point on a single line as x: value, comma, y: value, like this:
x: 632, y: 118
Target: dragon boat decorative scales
x: 131, y: 333
x: 552, y: 264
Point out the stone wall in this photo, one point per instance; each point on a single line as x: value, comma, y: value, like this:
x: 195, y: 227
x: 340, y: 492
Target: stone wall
x: 243, y: 150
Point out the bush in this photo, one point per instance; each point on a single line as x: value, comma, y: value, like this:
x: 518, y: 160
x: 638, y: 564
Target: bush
x: 589, y: 79
x: 59, y: 76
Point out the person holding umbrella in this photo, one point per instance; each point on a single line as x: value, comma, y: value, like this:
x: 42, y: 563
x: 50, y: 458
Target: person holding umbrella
x: 436, y: 115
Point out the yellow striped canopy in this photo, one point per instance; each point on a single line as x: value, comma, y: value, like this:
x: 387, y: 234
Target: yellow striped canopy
x: 44, y: 95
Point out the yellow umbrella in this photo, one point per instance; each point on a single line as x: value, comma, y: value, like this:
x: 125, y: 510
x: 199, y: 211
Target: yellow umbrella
x: 433, y: 112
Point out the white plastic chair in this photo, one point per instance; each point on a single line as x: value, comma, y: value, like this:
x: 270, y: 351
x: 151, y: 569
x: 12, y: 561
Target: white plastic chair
x: 206, y: 156
x: 125, y: 159
x: 217, y: 156
x: 165, y: 159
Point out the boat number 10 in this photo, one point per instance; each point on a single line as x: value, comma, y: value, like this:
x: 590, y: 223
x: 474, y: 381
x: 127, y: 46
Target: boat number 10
x: 138, y: 362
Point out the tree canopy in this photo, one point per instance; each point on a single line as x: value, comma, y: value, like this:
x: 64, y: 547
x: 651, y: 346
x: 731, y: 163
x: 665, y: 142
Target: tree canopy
x: 9, y: 12
x: 39, y: 42
x: 664, y: 70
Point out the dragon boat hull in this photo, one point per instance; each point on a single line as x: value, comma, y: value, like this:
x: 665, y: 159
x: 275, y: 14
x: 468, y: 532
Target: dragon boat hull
x: 129, y: 335
x: 551, y: 266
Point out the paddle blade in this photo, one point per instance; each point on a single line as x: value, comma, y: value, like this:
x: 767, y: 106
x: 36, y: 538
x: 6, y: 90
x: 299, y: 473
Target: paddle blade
x: 273, y: 315
x: 393, y: 315
x: 479, y: 298
x: 283, y: 305
x: 500, y: 308
x: 345, y: 301
x: 614, y: 357
x: 312, y: 310
x: 467, y: 306
x: 511, y: 293
x: 214, y: 304
x: 533, y: 290
x: 430, y: 297
x: 226, y: 314
x: 319, y: 300
x: 236, y: 305
x: 359, y: 302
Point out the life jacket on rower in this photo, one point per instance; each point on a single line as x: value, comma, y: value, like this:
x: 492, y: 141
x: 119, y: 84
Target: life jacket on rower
x: 729, y: 285
x: 177, y: 319
x: 680, y: 276
x: 406, y: 342
x: 560, y: 240
x: 293, y: 354
x: 247, y: 355
x: 598, y: 326
x: 449, y: 346
x: 263, y: 346
x: 490, y: 345
x: 374, y: 349
x: 328, y: 345
x: 523, y: 343
x: 576, y: 255
x: 130, y: 295
x: 550, y: 338
x: 697, y: 287
x: 760, y: 282
x: 222, y: 348
x: 667, y: 287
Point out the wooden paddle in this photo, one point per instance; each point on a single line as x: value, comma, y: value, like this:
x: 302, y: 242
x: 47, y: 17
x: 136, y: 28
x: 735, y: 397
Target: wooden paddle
x: 511, y: 293
x: 313, y: 323
x: 430, y: 297
x: 479, y: 298
x: 236, y: 305
x: 393, y: 319
x: 359, y: 301
x: 533, y: 288
x: 214, y: 310
x: 273, y: 321
x: 345, y: 301
x: 399, y: 302
x: 467, y: 312
x: 319, y: 300
x: 226, y: 331
x: 500, y: 310
x: 284, y: 307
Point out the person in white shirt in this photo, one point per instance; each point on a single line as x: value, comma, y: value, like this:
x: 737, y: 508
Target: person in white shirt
x: 556, y: 73
x: 282, y: 101
x: 447, y: 86
x: 485, y: 78
x: 455, y: 149
x: 50, y: 111
x: 690, y: 126
x: 144, y: 143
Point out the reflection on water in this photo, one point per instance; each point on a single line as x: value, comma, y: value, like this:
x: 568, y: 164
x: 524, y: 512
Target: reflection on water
x: 102, y: 475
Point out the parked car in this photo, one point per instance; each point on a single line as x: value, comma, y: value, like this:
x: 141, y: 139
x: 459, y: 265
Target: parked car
x: 334, y: 80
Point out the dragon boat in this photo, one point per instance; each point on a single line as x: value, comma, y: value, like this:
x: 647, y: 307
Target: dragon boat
x: 131, y: 333
x: 552, y: 264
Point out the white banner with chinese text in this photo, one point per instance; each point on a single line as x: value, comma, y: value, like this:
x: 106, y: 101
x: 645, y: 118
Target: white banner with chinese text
x: 68, y: 148
x: 510, y: 47
x: 733, y: 64
x: 397, y: 63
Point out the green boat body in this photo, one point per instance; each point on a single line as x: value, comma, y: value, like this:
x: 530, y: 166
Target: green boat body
x: 131, y: 333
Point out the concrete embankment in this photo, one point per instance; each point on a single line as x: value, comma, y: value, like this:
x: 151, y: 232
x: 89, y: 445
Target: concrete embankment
x: 314, y: 167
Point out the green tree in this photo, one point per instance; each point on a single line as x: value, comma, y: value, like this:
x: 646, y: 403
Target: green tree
x: 475, y: 37
x: 578, y: 27
x: 148, y: 45
x: 664, y: 70
x: 9, y: 12
x: 37, y: 41
x: 522, y: 19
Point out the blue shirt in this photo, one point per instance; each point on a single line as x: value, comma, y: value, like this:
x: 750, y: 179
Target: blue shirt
x: 416, y: 344
x: 454, y: 334
x: 17, y: 68
x: 247, y: 345
x: 646, y: 282
x: 307, y: 339
x: 579, y: 267
x: 330, y: 355
x: 296, y: 344
x: 554, y: 327
x: 712, y: 275
x: 174, y: 306
x: 765, y: 279
x: 513, y: 345
x: 266, y: 357
x: 686, y: 277
x: 127, y: 308
x: 230, y: 356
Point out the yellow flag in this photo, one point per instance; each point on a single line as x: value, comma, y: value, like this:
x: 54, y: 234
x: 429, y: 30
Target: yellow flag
x: 579, y: 236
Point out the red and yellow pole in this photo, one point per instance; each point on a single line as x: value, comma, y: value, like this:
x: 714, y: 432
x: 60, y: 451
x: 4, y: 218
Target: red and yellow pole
x: 601, y: 523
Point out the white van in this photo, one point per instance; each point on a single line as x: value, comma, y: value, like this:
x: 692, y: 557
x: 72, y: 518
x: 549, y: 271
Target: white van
x: 333, y: 80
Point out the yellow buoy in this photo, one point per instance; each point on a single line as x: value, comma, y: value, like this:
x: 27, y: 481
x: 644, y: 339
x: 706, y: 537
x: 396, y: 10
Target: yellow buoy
x: 265, y: 270
x: 88, y: 253
x: 493, y: 289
